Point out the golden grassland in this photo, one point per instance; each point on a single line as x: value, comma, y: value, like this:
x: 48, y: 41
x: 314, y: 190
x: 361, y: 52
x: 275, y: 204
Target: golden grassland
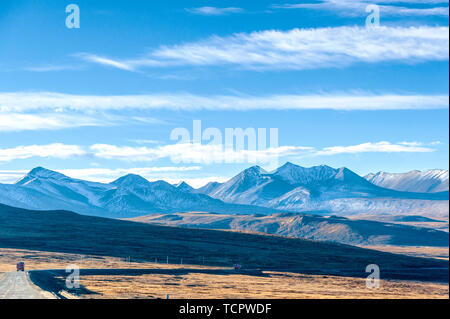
x: 269, y: 284
x: 277, y: 285
x: 415, y: 251
x: 39, y: 260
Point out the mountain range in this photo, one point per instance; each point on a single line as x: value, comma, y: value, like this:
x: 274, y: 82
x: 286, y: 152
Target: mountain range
x: 320, y: 189
x: 128, y: 196
x: 323, y: 188
x: 430, y: 181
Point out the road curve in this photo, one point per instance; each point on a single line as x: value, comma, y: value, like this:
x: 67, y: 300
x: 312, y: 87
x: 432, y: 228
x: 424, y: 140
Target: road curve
x: 17, y: 285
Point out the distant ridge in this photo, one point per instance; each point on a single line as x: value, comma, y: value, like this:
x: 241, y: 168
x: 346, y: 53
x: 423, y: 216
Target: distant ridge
x: 128, y: 196
x: 430, y: 181
x: 308, y: 226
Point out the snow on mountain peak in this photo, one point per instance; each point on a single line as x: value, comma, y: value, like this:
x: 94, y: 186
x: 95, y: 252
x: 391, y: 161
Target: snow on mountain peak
x: 40, y: 173
x: 44, y: 173
x: 295, y: 174
x: 290, y: 187
x: 250, y: 176
x: 430, y: 181
x: 254, y: 170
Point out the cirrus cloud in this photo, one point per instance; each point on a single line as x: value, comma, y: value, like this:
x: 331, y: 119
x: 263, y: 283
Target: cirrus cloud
x: 55, y: 150
x: 297, y: 49
x: 379, y: 147
x: 13, y: 121
x: 356, y: 8
x: 38, y: 101
x: 214, y: 11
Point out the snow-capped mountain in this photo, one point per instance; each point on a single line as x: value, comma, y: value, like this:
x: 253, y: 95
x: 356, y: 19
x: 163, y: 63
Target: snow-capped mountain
x: 59, y: 191
x: 57, y: 184
x: 295, y: 174
x: 431, y: 181
x: 253, y: 186
x: 254, y: 190
x: 134, y: 194
x: 128, y: 196
x: 322, y: 188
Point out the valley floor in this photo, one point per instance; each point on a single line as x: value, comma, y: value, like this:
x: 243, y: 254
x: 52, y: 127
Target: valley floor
x: 111, y: 280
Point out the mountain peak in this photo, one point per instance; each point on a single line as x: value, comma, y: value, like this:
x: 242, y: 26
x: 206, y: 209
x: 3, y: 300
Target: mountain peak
x: 183, y: 186
x: 130, y: 180
x: 254, y: 170
x: 43, y: 172
x: 289, y: 165
x: 296, y: 174
x: 40, y: 172
x: 344, y: 172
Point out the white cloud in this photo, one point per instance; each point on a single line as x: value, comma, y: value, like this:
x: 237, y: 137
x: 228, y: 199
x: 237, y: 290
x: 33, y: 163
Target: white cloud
x: 356, y: 8
x: 11, y: 176
x: 178, y: 153
x: 51, y: 68
x: 146, y: 141
x: 56, y: 150
x: 191, y: 153
x: 208, y: 154
x: 26, y: 102
x: 20, y: 111
x: 105, y: 61
x: 299, y: 49
x: 47, y: 121
x: 54, y: 118
x: 380, y: 147
x: 127, y: 153
x: 214, y: 11
x: 195, y: 153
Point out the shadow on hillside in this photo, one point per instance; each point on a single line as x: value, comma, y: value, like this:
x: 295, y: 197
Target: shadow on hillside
x: 55, y: 283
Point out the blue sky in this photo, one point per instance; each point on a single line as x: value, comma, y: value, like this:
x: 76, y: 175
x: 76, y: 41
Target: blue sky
x: 101, y: 101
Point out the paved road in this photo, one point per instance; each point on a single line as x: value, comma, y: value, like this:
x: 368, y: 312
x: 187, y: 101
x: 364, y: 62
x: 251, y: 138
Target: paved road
x: 17, y: 285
